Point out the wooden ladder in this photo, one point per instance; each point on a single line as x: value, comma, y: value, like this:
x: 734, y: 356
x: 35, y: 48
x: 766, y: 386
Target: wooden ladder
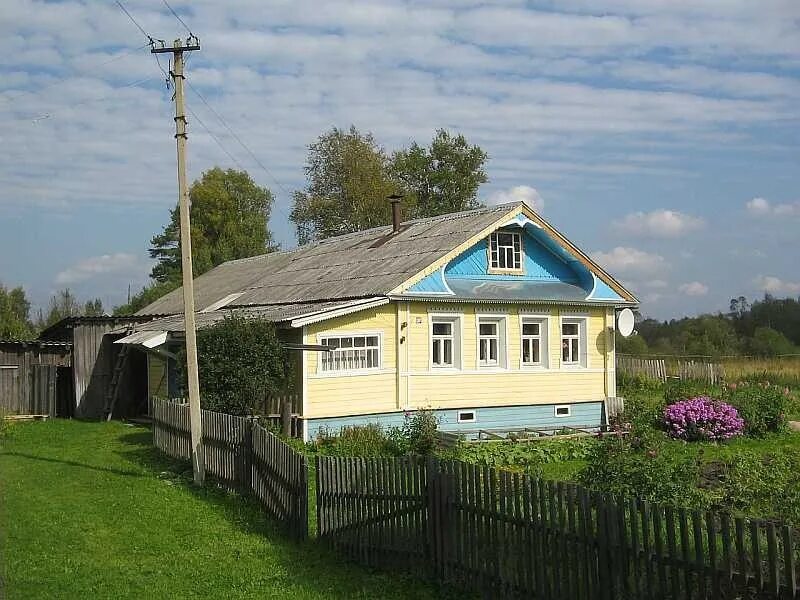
x: 112, y: 392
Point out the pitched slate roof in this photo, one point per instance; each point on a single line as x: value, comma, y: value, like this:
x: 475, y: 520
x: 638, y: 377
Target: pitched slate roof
x: 280, y: 313
x: 356, y: 265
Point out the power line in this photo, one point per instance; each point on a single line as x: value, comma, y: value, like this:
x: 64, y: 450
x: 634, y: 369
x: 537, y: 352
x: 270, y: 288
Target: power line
x: 239, y: 140
x: 185, y: 26
x: 215, y: 138
x: 202, y: 98
x: 58, y: 81
x: 135, y: 22
x: 44, y: 116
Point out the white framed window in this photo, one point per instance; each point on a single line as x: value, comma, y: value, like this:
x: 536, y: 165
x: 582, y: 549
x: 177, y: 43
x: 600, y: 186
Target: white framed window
x: 445, y: 342
x: 533, y: 341
x: 562, y: 410
x: 491, y: 341
x: 356, y: 352
x: 467, y: 416
x: 505, y: 251
x: 573, y: 342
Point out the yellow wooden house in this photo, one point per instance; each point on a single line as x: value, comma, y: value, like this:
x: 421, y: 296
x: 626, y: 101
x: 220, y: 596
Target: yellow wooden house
x: 491, y: 317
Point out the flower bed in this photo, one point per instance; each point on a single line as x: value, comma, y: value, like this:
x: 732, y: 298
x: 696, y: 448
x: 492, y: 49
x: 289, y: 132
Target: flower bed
x: 702, y: 418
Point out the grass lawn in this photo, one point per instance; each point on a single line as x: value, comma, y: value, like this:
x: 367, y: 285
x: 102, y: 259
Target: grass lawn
x: 91, y: 510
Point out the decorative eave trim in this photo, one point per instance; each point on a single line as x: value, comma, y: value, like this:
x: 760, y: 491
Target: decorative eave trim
x: 349, y: 308
x: 446, y: 292
x: 450, y: 300
x: 442, y: 262
x: 512, y: 217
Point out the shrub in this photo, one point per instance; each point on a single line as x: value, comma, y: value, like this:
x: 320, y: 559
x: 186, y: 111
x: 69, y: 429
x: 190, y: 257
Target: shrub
x: 359, y: 440
x: 241, y: 362
x: 762, y: 405
x: 702, y: 418
x: 419, y: 431
x: 639, y: 466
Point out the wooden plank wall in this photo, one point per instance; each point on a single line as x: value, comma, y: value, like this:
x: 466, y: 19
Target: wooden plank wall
x: 509, y: 535
x: 240, y: 455
x: 25, y: 388
x: 92, y: 366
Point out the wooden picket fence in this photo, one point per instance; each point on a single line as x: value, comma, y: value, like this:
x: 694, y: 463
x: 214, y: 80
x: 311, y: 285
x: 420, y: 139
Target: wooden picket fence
x: 240, y: 455
x: 507, y: 534
x: 662, y: 368
x: 280, y: 481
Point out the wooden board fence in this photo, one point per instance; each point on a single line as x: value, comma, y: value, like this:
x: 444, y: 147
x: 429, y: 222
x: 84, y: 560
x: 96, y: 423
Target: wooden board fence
x: 509, y: 535
x: 374, y: 509
x: 279, y: 480
x: 240, y: 455
x: 661, y: 368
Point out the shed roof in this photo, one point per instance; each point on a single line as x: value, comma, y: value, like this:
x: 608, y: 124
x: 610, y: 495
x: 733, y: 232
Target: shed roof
x: 355, y: 265
x: 277, y: 314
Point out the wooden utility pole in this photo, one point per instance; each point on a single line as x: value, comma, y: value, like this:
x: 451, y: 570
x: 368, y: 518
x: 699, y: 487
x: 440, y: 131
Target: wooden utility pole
x: 195, y: 425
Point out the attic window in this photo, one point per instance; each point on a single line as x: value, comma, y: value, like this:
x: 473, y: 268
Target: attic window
x: 505, y: 251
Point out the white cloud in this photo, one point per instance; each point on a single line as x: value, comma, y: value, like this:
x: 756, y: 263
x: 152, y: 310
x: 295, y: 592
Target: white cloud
x: 659, y: 223
x: 775, y: 285
x: 569, y: 97
x: 630, y: 260
x: 762, y: 206
x: 518, y: 193
x: 695, y: 288
x: 120, y: 264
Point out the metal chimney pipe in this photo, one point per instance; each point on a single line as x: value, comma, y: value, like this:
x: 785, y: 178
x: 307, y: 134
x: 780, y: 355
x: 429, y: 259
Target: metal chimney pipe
x: 395, y: 199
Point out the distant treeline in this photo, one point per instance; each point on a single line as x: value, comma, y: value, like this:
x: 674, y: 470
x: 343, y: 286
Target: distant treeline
x: 766, y: 328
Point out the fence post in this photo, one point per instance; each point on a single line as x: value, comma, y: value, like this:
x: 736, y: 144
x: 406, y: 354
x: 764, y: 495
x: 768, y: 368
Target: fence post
x: 286, y: 416
x: 244, y: 457
x: 434, y: 511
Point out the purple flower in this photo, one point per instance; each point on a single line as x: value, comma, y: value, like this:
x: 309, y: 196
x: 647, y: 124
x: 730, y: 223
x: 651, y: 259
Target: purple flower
x: 702, y: 418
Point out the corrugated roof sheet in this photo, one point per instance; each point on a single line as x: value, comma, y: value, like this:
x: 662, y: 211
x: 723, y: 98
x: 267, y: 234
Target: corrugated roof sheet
x: 276, y: 314
x: 355, y: 265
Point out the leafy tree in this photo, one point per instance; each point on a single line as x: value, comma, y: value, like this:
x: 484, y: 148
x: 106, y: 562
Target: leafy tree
x: 739, y: 306
x: 348, y: 182
x: 229, y: 214
x: 443, y: 178
x: 62, y: 305
x: 15, y: 309
x: 768, y: 342
x: 634, y: 344
x: 241, y: 361
x: 93, y: 308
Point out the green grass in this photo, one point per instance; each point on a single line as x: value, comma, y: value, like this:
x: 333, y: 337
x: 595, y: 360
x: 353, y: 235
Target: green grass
x: 91, y: 510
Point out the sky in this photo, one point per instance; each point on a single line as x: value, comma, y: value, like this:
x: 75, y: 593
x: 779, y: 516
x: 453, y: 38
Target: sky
x: 661, y: 136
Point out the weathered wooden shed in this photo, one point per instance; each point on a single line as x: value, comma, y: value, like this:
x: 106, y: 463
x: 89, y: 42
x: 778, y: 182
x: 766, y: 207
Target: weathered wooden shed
x: 36, y: 377
x: 96, y: 360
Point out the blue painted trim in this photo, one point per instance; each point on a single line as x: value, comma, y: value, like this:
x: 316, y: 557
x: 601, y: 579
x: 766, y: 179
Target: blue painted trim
x: 434, y: 283
x: 602, y: 291
x: 539, y: 263
x: 540, y: 416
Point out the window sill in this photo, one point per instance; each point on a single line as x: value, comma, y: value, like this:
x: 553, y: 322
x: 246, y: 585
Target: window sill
x: 351, y: 373
x: 496, y: 271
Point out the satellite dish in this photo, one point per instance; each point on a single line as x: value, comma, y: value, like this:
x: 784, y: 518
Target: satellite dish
x: 625, y: 322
